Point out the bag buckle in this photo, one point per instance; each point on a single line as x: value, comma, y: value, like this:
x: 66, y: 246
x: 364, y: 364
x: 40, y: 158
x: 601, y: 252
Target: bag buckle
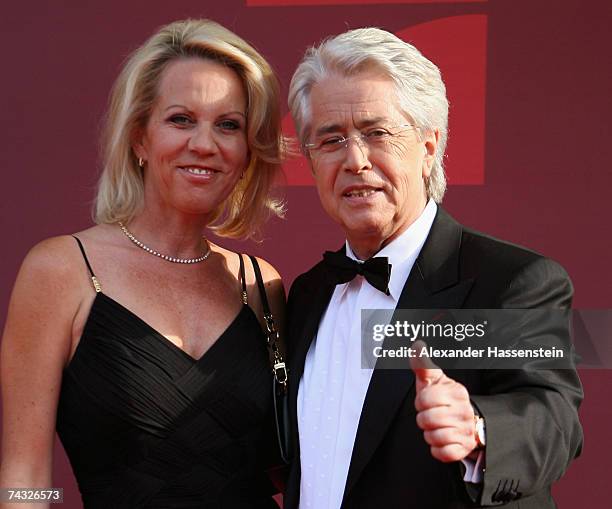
x: 280, y: 372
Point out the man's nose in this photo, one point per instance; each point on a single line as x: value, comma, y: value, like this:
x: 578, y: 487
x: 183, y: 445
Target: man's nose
x: 356, y: 157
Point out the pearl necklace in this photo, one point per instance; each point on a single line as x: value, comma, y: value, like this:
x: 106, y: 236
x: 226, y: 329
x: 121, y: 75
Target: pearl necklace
x: 129, y: 235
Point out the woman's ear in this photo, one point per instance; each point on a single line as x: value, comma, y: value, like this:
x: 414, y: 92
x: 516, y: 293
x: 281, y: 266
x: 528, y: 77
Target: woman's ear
x: 139, y: 144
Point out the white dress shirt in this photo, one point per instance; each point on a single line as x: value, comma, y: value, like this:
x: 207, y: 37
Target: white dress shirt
x: 333, y: 387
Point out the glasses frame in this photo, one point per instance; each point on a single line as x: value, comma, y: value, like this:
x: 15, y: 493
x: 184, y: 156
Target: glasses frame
x: 343, y: 141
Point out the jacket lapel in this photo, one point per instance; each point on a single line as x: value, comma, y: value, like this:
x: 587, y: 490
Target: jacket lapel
x: 433, y: 283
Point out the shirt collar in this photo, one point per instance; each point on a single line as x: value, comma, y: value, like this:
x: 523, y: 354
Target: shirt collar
x: 402, y: 252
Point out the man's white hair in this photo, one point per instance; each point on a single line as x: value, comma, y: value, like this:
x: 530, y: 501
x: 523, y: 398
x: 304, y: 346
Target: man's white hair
x: 420, y: 89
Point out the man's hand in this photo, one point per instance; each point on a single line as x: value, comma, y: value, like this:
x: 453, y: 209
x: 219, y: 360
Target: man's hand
x: 444, y: 411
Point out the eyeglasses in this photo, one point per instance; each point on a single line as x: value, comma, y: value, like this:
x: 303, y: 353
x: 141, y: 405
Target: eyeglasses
x: 377, y: 138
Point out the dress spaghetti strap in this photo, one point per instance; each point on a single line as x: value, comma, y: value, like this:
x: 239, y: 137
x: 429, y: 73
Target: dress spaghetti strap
x: 94, y: 279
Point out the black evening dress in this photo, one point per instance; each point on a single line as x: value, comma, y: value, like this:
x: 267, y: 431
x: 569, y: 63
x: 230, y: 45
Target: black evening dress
x: 145, y: 425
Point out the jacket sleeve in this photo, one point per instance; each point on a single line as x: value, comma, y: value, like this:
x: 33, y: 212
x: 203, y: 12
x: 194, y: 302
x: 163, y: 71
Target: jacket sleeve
x: 531, y: 416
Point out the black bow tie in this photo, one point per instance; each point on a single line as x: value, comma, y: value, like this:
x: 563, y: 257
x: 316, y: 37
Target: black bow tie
x: 377, y: 271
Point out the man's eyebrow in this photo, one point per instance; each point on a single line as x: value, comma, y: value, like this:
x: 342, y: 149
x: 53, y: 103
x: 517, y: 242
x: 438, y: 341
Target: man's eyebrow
x: 328, y: 128
x: 360, y: 124
x: 367, y: 122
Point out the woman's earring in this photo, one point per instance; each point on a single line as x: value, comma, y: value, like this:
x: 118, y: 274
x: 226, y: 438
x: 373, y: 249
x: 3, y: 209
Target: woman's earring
x: 141, y: 162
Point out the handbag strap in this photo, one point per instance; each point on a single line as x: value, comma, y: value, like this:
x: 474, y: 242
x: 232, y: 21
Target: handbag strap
x: 272, y: 336
x: 245, y: 298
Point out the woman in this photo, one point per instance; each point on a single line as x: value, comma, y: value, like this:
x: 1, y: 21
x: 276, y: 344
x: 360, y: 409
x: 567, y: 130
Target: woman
x: 140, y: 336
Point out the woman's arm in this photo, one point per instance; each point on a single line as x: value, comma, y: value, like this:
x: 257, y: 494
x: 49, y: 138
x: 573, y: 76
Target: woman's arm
x: 35, y: 348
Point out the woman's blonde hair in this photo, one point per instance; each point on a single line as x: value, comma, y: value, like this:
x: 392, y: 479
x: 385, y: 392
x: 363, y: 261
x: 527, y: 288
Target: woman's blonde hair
x: 120, y: 188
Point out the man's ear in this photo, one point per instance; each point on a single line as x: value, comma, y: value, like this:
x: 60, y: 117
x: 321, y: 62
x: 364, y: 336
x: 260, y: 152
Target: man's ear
x: 430, y: 139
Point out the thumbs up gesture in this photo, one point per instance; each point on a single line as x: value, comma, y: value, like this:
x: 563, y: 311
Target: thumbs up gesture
x: 444, y: 411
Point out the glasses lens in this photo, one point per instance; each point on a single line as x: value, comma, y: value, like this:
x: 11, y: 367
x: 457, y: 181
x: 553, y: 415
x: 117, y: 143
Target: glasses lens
x: 332, y: 144
x: 375, y: 139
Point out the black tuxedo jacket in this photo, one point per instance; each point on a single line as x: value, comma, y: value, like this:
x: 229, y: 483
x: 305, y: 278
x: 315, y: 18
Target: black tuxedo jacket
x: 531, y: 417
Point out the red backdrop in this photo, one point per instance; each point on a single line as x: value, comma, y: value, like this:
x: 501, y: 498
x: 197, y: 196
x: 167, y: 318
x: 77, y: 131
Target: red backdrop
x: 528, y: 159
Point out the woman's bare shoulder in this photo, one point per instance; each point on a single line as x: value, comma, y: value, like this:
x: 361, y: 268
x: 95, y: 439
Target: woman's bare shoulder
x: 268, y: 272
x: 52, y: 257
x: 58, y: 260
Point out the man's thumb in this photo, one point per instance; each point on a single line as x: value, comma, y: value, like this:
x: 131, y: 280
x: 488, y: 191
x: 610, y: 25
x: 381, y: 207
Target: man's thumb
x: 425, y: 371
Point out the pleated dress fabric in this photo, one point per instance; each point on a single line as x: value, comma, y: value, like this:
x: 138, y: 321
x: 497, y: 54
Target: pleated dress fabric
x: 145, y: 425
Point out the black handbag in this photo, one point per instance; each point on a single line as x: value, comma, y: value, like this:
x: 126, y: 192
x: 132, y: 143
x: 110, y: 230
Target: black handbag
x: 280, y: 394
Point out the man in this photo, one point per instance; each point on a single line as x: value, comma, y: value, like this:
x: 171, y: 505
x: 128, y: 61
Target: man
x: 371, y: 114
